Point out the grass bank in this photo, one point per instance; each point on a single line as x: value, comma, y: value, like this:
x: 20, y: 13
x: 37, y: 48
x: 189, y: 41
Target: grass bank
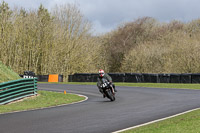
x: 7, y: 74
x: 44, y: 99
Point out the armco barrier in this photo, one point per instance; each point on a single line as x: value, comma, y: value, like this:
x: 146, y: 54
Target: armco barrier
x: 17, y: 89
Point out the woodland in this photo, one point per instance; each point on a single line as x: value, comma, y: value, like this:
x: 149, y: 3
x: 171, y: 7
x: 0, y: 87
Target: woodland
x: 61, y: 41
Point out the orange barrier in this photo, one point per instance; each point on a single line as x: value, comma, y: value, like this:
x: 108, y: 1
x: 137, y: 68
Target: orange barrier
x: 53, y: 78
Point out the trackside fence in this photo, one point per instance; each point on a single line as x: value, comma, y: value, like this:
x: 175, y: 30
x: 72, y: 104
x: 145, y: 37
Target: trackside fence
x: 139, y: 77
x: 17, y: 89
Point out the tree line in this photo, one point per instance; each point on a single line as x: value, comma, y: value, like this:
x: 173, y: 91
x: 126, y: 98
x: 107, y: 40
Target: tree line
x: 47, y: 42
x: 148, y: 46
x: 60, y: 41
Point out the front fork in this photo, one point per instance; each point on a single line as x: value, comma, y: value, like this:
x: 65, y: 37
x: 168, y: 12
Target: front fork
x: 113, y: 91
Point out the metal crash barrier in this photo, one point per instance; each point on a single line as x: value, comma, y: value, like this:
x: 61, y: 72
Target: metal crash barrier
x: 17, y: 89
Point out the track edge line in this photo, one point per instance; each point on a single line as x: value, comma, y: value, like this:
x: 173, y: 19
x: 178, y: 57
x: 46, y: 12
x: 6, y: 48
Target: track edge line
x: 158, y: 120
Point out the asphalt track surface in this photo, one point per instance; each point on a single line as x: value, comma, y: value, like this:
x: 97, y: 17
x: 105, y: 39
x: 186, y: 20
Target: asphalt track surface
x: 133, y: 106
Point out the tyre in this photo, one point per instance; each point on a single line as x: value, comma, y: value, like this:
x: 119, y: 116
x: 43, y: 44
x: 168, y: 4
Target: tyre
x: 110, y: 95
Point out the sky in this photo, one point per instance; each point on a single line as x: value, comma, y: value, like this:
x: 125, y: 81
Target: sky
x: 106, y: 15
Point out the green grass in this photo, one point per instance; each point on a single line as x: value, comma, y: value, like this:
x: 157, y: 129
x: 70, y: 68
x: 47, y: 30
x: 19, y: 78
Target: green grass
x: 6, y: 74
x: 161, y: 85
x: 44, y: 99
x: 187, y: 123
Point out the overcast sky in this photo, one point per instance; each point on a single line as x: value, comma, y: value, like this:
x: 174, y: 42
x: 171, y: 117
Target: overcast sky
x: 106, y: 15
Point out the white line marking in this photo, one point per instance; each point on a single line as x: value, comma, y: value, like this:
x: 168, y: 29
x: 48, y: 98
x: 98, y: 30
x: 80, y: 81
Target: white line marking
x: 155, y: 121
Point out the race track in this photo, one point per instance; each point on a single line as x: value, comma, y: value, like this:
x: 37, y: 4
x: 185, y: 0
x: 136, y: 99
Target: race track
x: 133, y: 106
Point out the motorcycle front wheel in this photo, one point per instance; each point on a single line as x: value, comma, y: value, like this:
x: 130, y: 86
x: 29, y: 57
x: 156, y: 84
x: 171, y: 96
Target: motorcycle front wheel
x: 110, y: 95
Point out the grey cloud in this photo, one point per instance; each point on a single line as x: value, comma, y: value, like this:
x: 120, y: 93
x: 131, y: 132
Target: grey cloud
x: 107, y: 14
x: 110, y: 13
x: 28, y: 4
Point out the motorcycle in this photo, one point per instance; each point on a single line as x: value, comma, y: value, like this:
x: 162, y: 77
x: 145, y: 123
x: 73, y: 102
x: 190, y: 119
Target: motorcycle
x: 108, y: 90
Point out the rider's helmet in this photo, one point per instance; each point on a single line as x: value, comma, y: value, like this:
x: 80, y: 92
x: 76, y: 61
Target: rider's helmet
x: 101, y: 73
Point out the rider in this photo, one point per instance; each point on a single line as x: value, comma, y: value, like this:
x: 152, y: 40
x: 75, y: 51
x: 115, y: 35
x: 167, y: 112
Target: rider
x: 102, y: 75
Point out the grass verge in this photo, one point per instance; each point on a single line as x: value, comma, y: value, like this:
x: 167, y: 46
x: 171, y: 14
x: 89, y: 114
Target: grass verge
x: 186, y: 123
x: 44, y: 99
x: 161, y: 85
